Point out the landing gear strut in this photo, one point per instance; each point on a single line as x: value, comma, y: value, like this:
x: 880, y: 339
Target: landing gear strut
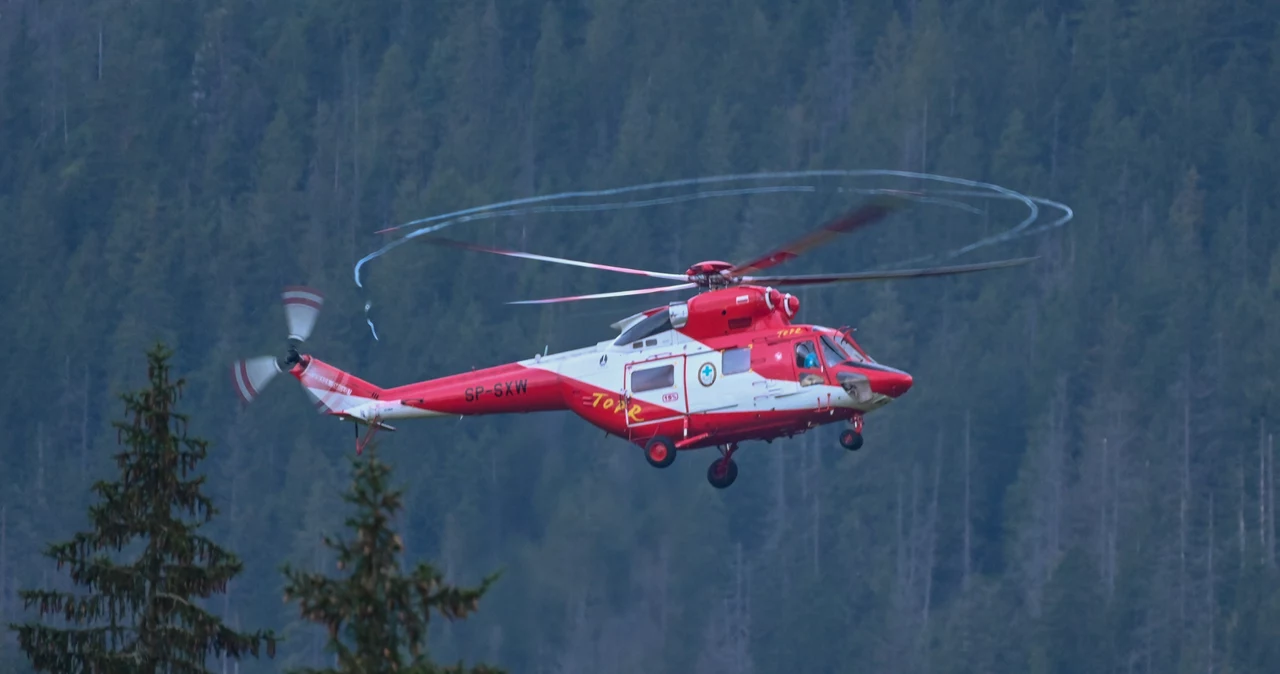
x: 851, y: 438
x: 374, y: 425
x: 723, y: 471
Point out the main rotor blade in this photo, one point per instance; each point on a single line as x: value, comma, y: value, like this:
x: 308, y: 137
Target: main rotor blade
x: 621, y: 293
x: 870, y: 212
x: 558, y: 260
x: 815, y: 279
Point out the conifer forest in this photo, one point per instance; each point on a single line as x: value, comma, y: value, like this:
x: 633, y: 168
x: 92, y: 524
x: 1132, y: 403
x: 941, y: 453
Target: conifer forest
x: 1081, y: 479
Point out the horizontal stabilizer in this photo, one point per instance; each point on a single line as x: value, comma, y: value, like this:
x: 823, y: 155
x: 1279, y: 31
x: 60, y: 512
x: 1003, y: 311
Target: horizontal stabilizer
x: 380, y: 424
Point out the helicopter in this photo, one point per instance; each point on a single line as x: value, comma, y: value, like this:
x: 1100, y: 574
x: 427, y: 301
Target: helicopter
x: 726, y: 366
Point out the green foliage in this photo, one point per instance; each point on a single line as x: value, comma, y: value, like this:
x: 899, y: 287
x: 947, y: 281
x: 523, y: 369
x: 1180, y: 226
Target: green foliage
x: 142, y: 615
x: 377, y: 616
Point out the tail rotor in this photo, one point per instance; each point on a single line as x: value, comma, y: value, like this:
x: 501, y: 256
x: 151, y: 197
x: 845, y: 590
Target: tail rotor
x: 252, y: 375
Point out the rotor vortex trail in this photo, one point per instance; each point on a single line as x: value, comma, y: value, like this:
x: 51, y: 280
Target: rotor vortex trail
x: 368, y: 320
x: 542, y: 205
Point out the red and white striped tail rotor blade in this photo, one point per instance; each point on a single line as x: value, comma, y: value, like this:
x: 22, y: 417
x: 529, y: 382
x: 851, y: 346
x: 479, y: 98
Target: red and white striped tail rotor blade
x: 319, y: 402
x: 301, y: 307
x: 252, y: 375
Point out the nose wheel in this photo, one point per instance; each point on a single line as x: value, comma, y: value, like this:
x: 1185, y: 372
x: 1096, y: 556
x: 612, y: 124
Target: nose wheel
x: 851, y: 437
x: 723, y: 471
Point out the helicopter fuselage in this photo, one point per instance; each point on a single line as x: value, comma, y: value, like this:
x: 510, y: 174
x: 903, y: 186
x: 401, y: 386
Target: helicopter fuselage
x: 724, y: 367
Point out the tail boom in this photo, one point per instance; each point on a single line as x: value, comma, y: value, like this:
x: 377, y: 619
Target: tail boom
x: 503, y: 389
x: 340, y: 393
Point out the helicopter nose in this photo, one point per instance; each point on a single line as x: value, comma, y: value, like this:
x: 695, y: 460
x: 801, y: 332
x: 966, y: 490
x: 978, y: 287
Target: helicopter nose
x: 890, y: 382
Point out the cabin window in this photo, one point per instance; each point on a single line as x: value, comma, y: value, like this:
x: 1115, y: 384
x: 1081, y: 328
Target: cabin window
x: 648, y: 379
x: 734, y: 361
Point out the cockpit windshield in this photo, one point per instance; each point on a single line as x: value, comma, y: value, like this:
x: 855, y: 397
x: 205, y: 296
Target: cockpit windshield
x: 831, y: 354
x: 851, y: 352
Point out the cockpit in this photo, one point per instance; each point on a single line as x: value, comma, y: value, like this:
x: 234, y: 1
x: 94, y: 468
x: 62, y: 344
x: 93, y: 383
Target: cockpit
x: 851, y: 368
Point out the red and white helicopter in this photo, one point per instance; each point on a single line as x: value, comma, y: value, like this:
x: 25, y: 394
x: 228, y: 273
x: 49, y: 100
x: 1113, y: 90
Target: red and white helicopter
x: 725, y: 366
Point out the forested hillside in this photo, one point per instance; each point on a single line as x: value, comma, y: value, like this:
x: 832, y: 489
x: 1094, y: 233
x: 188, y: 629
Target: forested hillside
x: 1081, y: 479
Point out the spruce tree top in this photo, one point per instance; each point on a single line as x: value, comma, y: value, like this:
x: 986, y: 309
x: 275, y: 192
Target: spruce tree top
x: 382, y: 613
x: 141, y: 615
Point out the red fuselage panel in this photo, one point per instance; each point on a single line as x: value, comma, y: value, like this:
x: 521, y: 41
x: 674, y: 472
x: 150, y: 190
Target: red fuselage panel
x: 496, y: 390
x: 734, y: 311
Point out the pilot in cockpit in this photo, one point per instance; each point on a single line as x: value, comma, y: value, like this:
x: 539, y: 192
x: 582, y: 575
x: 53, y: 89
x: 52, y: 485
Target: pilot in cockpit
x: 806, y: 356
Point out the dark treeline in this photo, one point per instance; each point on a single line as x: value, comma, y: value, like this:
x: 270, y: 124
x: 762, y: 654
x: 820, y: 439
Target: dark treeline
x: 1080, y: 481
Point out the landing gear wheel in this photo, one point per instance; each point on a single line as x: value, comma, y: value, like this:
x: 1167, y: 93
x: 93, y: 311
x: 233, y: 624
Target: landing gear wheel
x: 722, y: 472
x: 850, y: 439
x: 660, y: 452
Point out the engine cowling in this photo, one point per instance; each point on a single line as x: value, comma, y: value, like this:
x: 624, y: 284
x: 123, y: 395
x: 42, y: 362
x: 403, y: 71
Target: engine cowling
x: 779, y: 301
x: 731, y: 310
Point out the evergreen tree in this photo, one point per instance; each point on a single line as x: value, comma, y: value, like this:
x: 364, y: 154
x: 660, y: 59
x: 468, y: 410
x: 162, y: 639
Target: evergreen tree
x: 383, y: 612
x: 141, y: 616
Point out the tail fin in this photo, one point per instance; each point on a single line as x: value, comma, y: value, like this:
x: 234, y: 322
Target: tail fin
x: 334, y: 391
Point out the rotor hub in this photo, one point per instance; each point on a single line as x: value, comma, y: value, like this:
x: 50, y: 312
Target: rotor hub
x: 711, y: 274
x: 709, y: 268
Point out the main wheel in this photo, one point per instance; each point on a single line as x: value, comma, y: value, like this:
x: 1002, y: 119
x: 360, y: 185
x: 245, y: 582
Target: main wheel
x: 722, y: 472
x: 850, y: 439
x: 660, y: 452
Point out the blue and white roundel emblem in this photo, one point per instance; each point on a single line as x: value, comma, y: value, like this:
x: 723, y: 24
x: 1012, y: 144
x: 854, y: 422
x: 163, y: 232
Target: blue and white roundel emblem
x: 707, y: 374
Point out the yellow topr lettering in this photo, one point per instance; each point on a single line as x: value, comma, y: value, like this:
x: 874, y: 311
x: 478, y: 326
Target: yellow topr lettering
x: 617, y: 406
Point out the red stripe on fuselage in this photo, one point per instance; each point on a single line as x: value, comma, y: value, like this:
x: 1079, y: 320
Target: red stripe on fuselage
x: 638, y: 421
x: 515, y: 388
x: 495, y: 390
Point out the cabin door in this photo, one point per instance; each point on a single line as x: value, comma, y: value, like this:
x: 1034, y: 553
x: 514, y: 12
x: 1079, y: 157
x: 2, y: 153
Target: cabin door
x: 655, y: 390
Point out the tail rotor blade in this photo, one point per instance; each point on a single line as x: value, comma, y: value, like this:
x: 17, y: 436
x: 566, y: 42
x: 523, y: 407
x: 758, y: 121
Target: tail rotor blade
x: 320, y: 403
x: 301, y: 307
x: 252, y: 375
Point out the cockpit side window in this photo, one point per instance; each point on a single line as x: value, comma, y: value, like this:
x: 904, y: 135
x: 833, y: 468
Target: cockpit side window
x: 806, y: 355
x: 651, y: 325
x: 807, y: 359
